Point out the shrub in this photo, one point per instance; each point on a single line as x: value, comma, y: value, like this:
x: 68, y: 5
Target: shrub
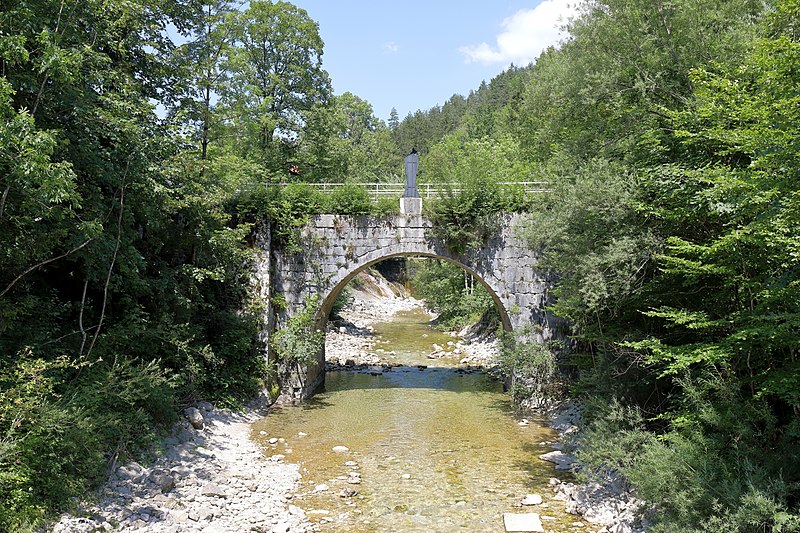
x: 349, y: 199
x: 297, y: 344
x: 531, y: 367
x: 465, y: 218
x: 64, y: 423
x: 453, y: 293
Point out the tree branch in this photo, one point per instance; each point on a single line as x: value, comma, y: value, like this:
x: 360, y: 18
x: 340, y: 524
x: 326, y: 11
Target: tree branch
x: 113, y: 261
x: 43, y: 263
x: 3, y: 200
x: 80, y: 316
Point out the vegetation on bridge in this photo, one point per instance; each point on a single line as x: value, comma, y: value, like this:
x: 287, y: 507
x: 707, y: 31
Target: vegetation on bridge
x: 668, y: 131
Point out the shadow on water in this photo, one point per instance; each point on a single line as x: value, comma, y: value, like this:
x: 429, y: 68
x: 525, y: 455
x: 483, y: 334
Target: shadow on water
x: 453, y: 379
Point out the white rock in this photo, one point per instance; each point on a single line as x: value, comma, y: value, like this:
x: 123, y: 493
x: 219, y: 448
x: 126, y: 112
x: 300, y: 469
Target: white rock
x: 527, y: 522
x: 340, y: 449
x: 532, y: 499
x: 561, y: 460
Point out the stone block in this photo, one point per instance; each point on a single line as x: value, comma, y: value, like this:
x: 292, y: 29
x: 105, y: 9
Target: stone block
x: 520, y: 523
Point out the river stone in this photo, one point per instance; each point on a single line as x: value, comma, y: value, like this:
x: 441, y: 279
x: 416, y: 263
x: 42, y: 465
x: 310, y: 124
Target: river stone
x: 195, y: 417
x: 562, y: 460
x: 341, y: 449
x: 522, y: 523
x: 532, y: 499
x: 348, y: 493
x: 130, y: 471
x: 212, y: 489
x: 163, y: 480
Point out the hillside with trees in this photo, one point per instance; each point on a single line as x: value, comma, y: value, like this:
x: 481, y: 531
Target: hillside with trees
x: 132, y: 172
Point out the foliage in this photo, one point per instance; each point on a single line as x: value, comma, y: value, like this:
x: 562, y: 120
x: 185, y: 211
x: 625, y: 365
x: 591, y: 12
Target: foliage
x: 343, y: 141
x: 481, y: 176
x: 452, y: 293
x: 531, y: 368
x: 342, y: 300
x: 709, y: 462
x: 55, y: 430
x: 290, y: 207
x: 590, y: 231
x: 676, y: 250
x: 276, y: 78
x: 297, y: 344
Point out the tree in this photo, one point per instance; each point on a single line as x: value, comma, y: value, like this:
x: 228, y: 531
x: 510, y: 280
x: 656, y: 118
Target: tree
x: 394, y: 120
x: 603, y: 93
x: 276, y: 77
x: 343, y: 140
x: 203, y: 70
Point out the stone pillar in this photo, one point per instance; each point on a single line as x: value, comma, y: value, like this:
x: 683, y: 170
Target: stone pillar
x: 411, y: 206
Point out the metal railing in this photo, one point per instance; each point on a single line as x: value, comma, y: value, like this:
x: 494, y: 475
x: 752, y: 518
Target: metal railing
x: 426, y: 190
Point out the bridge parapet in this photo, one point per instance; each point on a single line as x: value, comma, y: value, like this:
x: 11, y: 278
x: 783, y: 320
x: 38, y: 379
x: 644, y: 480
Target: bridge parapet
x: 378, y: 190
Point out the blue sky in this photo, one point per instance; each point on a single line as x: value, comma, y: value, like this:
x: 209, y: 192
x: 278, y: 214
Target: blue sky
x: 415, y: 54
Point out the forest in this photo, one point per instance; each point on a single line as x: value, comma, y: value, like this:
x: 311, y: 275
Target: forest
x: 133, y: 170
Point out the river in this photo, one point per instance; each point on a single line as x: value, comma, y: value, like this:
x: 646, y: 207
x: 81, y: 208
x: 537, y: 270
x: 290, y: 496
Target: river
x: 428, y: 449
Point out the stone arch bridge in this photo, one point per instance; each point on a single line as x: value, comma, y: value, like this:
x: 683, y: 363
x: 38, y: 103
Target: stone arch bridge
x: 335, y: 248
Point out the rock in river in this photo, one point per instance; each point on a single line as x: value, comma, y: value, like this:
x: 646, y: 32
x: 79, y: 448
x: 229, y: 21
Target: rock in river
x: 528, y: 522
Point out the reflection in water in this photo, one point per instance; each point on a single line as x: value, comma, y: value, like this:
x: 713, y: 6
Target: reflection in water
x: 436, y: 449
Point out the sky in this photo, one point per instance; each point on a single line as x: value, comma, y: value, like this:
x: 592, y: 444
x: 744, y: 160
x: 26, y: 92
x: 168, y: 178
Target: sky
x: 415, y: 54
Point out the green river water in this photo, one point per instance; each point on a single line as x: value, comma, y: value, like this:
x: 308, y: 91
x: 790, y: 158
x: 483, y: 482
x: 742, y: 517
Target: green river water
x: 435, y: 449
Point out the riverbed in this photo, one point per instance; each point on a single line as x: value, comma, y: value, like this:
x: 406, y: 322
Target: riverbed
x: 416, y: 443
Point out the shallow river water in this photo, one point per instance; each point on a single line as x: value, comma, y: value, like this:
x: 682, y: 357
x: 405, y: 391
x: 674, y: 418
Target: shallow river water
x: 433, y: 449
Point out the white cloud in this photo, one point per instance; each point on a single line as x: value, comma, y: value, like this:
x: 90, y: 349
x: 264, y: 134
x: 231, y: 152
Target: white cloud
x: 391, y: 47
x: 525, y: 34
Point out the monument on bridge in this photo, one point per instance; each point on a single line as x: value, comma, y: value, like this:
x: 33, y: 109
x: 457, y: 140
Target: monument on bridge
x: 411, y: 203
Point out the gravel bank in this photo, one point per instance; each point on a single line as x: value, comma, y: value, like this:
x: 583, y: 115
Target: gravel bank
x: 209, y: 480
x: 606, y: 500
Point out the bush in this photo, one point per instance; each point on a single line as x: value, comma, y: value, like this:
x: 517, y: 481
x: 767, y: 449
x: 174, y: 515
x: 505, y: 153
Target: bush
x: 63, y: 424
x: 297, y: 344
x: 531, y: 367
x: 342, y: 301
x: 715, y: 469
x: 290, y: 207
x: 465, y: 218
x: 349, y: 199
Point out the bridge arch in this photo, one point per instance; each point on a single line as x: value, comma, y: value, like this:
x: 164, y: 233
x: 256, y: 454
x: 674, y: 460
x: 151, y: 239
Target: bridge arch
x: 329, y: 299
